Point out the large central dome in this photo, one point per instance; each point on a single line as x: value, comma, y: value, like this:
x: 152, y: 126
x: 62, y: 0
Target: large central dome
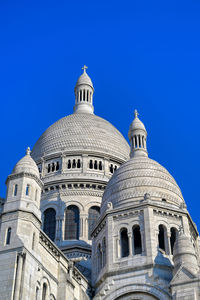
x: 81, y: 131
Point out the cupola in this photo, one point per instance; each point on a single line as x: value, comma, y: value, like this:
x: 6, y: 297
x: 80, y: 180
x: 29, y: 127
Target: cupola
x: 137, y: 135
x: 84, y: 94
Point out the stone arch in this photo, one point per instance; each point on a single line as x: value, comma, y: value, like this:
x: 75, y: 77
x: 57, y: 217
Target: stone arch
x: 45, y: 281
x: 139, y: 292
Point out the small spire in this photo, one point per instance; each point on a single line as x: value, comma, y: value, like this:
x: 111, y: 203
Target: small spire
x: 28, y: 151
x: 84, y: 68
x: 136, y: 113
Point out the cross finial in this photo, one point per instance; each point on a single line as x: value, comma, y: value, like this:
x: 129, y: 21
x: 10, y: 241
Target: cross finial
x: 28, y: 151
x: 136, y: 113
x: 84, y: 68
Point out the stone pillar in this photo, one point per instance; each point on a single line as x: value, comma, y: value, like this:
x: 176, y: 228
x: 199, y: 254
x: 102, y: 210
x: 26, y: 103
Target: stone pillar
x: 130, y: 243
x: 84, y: 163
x: 142, y: 240
x: 58, y: 237
x: 106, y: 167
x: 168, y: 245
x: 63, y: 163
x: 18, y: 276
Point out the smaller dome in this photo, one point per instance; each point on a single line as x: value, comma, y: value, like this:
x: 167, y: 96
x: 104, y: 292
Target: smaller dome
x: 84, y: 79
x: 26, y: 164
x: 137, y: 124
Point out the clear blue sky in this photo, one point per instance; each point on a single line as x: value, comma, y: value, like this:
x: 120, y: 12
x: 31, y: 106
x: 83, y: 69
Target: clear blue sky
x: 140, y: 54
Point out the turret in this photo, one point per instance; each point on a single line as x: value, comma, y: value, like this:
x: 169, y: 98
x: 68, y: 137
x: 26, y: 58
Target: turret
x: 84, y: 94
x: 21, y: 213
x: 184, y: 253
x: 137, y: 135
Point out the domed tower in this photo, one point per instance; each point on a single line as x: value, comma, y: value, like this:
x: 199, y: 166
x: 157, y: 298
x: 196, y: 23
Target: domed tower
x: 141, y: 212
x: 22, y: 204
x: 76, y: 157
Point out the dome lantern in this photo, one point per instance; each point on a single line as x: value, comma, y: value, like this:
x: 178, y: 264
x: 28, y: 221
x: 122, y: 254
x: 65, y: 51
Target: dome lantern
x: 137, y: 135
x: 84, y: 94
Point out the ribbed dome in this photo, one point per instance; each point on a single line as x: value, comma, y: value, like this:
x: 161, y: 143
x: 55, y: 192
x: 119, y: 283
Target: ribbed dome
x: 135, y: 178
x: 79, y: 132
x: 84, y: 79
x: 27, y: 165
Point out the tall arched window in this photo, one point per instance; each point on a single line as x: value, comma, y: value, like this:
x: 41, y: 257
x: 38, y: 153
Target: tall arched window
x: 44, y: 291
x: 93, y: 215
x: 37, y: 293
x: 173, y: 232
x: 137, y: 242
x: 72, y: 220
x: 15, y: 189
x: 99, y: 258
x: 8, y: 236
x: 104, y: 251
x: 27, y: 190
x: 161, y: 237
x: 124, y: 243
x: 50, y: 223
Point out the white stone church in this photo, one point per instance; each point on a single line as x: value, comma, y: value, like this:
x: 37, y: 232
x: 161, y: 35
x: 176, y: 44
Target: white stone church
x: 87, y: 216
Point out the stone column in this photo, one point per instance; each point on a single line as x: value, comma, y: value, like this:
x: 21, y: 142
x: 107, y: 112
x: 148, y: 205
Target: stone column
x: 130, y: 244
x: 106, y: 167
x: 84, y: 163
x: 18, y: 276
x: 63, y: 163
x: 168, y: 245
x: 142, y: 241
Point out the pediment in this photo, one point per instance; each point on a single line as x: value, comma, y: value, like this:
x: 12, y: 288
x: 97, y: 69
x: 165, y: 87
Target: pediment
x: 183, y: 274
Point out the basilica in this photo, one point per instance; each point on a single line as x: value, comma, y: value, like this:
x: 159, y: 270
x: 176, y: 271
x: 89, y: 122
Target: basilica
x: 88, y: 216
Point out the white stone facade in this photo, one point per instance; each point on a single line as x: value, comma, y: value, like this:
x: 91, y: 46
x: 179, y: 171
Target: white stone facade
x: 83, y: 220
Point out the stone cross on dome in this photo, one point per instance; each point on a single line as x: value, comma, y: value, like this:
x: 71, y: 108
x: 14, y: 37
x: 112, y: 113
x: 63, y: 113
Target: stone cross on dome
x: 28, y: 151
x: 84, y: 68
x: 136, y: 113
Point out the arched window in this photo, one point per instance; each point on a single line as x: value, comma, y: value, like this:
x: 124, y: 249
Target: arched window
x: 53, y: 167
x: 104, y: 251
x: 57, y: 165
x: 161, y: 237
x: 135, y: 137
x: 143, y: 141
x: 124, y: 243
x: 44, y: 291
x: 49, y: 168
x: 83, y: 95
x: 91, y: 164
x: 95, y: 165
x: 15, y: 189
x: 8, y: 236
x: 69, y: 165
x: 80, y: 95
x: 137, y: 242
x: 37, y: 293
x: 74, y: 164
x: 72, y: 220
x: 36, y: 194
x: 99, y: 258
x: 27, y: 190
x: 173, y: 232
x: 139, y: 137
x: 100, y: 166
x: 33, y: 241
x: 50, y: 223
x: 111, y: 168
x: 87, y: 95
x: 93, y: 215
x: 78, y: 164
